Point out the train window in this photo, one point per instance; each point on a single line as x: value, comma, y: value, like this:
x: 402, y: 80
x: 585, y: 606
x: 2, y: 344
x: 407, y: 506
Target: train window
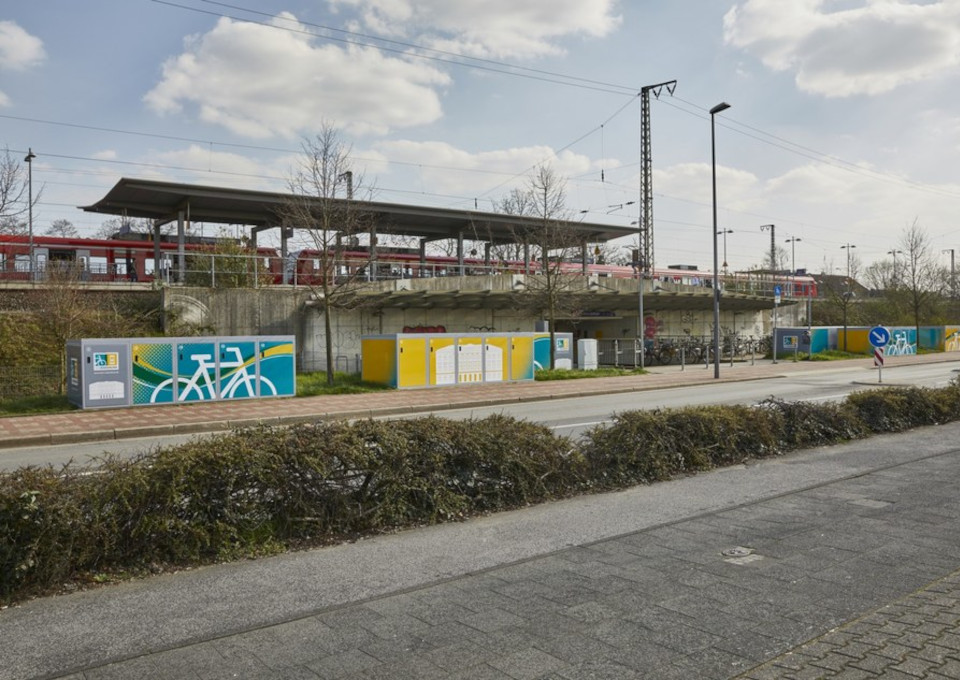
x: 149, y: 266
x: 98, y: 265
x: 21, y: 263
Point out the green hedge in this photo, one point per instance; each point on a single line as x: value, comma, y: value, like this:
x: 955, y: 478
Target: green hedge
x: 262, y: 490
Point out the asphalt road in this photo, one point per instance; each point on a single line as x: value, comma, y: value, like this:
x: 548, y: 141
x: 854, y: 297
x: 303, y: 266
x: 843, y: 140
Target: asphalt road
x: 573, y: 416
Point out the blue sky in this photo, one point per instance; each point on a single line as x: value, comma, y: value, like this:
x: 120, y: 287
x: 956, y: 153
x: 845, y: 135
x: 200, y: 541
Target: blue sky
x: 844, y: 126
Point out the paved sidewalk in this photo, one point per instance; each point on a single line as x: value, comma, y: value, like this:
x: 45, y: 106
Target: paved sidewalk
x: 915, y: 637
x: 95, y: 425
x: 704, y: 586
x: 837, y: 562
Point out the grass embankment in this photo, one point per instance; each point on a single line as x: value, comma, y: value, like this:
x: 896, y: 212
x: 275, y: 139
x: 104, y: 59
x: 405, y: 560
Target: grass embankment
x: 264, y: 490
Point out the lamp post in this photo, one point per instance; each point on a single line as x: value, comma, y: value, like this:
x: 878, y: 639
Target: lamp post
x: 848, y: 248
x: 29, y: 161
x: 893, y: 253
x: 953, y: 273
x: 847, y: 294
x: 793, y: 264
x: 725, y: 232
x: 722, y: 106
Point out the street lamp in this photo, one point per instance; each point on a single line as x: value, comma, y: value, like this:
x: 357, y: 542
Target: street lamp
x: 29, y: 161
x: 722, y: 106
x: 847, y: 294
x: 953, y: 273
x: 725, y: 232
x: 848, y: 248
x: 793, y: 264
x: 894, y: 254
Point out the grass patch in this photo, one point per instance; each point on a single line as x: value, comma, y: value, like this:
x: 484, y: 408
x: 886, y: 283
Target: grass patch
x: 576, y: 374
x: 313, y: 384
x: 836, y: 355
x: 25, y: 406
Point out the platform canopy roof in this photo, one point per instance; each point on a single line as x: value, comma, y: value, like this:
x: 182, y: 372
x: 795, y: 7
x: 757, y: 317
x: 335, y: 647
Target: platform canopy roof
x: 163, y: 201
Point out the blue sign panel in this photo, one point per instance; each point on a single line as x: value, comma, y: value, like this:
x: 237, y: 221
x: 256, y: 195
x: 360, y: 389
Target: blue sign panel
x: 879, y: 336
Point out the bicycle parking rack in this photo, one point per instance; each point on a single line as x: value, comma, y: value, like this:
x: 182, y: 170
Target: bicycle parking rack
x: 117, y: 372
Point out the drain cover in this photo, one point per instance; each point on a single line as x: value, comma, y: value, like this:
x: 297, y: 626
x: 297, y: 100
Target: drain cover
x: 738, y: 551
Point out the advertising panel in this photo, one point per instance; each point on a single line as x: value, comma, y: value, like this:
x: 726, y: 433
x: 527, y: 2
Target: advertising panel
x: 443, y: 361
x: 237, y: 376
x: 196, y: 371
x: 152, y: 372
x: 277, y: 369
x: 496, y: 359
x: 521, y: 357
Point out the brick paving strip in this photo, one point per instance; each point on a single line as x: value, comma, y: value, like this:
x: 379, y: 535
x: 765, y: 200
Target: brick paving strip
x: 917, y: 636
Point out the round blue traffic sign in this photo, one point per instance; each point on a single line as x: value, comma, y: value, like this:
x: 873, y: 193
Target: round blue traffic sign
x: 879, y: 336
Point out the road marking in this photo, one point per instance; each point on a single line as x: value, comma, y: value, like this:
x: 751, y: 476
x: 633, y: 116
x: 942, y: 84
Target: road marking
x: 571, y: 425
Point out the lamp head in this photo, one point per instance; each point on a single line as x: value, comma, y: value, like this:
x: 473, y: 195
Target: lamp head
x: 722, y: 106
x: 30, y: 156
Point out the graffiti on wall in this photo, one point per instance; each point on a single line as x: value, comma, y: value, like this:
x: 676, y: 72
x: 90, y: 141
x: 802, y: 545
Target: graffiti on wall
x: 900, y: 345
x: 952, y: 342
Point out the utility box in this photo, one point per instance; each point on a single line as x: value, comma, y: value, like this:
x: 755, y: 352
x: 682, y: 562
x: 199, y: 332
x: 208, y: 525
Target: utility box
x: 587, y: 354
x: 112, y: 372
x: 563, y: 350
x: 409, y: 360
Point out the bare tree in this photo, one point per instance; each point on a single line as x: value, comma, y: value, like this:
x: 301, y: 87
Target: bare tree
x: 919, y: 276
x: 14, y: 192
x: 63, y: 228
x: 551, y: 291
x: 322, y: 191
x: 13, y: 226
x: 517, y: 202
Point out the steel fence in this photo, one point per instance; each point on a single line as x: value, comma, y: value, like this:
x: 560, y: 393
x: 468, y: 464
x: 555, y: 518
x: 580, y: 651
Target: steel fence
x: 310, y: 362
x: 29, y: 381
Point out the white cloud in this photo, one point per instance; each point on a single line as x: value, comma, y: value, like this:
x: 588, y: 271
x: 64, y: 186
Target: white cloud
x: 259, y: 81
x: 446, y: 169
x: 488, y: 28
x: 105, y: 155
x: 4, y: 100
x: 870, y: 48
x: 18, y: 49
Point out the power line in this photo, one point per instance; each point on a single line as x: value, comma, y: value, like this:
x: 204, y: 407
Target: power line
x: 518, y: 71
x: 457, y: 55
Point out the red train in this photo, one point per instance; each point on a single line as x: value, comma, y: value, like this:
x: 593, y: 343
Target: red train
x: 132, y: 258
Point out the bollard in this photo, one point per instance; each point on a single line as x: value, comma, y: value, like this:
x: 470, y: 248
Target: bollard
x: 683, y: 363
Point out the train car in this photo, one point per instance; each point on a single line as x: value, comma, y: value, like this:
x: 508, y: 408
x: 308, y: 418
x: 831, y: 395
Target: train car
x: 104, y: 260
x: 131, y: 258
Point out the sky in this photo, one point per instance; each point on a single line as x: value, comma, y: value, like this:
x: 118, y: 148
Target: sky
x: 843, y: 127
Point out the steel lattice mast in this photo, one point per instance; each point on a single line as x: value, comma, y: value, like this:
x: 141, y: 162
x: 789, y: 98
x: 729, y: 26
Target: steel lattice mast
x: 645, y: 265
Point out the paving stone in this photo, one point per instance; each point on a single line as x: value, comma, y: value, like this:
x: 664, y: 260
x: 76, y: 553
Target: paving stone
x: 528, y: 664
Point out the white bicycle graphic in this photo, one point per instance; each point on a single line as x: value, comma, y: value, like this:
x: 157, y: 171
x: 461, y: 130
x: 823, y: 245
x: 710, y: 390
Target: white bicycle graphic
x: 900, y: 346
x: 202, y: 383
